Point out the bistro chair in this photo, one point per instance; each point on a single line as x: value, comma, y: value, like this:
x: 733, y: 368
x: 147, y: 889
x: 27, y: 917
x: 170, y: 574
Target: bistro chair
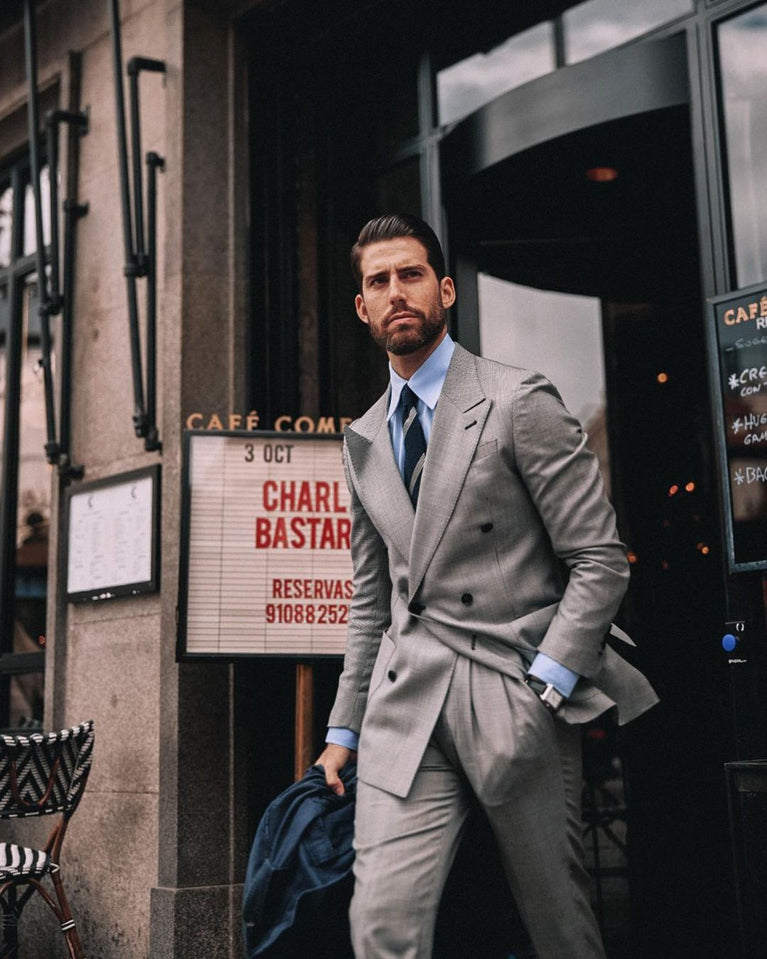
x: 41, y: 774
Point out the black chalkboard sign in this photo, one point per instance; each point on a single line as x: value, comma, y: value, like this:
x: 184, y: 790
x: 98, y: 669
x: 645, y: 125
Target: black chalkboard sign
x: 739, y: 325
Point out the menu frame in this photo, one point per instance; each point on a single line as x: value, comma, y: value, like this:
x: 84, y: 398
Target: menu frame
x: 107, y: 490
x: 739, y: 558
x: 189, y: 590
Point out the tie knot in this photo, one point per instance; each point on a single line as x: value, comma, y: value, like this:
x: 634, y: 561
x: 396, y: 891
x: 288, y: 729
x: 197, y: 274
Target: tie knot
x: 409, y: 399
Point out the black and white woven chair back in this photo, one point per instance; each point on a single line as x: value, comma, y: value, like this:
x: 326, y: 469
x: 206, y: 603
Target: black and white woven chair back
x: 40, y: 774
x: 44, y: 773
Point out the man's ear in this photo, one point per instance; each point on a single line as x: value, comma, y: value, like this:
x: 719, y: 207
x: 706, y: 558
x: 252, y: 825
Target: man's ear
x: 362, y: 310
x: 447, y: 292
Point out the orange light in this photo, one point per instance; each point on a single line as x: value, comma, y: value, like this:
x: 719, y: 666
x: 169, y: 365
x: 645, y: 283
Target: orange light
x: 664, y: 564
x: 702, y: 548
x: 631, y: 556
x: 602, y: 174
x: 662, y: 377
x: 673, y: 490
x: 690, y: 487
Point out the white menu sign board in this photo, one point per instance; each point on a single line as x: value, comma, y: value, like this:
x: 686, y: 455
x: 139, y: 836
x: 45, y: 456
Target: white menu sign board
x: 112, y: 536
x: 265, y: 567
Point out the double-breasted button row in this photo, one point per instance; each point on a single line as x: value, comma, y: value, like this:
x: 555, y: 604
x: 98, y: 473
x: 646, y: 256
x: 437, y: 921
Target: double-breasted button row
x: 467, y: 599
x: 391, y: 675
x: 486, y: 527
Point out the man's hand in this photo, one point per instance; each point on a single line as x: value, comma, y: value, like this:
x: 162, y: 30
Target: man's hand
x: 333, y: 760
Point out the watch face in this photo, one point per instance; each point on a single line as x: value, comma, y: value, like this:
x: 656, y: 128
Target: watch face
x: 552, y: 698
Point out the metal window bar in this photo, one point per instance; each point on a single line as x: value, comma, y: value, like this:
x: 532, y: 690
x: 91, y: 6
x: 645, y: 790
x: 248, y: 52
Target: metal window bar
x: 140, y: 257
x: 52, y: 300
x: 30, y: 47
x: 9, y: 485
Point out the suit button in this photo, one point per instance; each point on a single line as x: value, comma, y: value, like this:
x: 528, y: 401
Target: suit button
x: 392, y: 675
x: 486, y: 527
x: 416, y: 608
x: 467, y: 599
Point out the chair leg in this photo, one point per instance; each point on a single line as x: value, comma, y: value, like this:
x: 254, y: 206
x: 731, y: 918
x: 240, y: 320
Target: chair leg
x: 9, y: 948
x: 68, y: 926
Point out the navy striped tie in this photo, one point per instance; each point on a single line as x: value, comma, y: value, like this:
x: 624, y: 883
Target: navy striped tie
x: 415, y: 443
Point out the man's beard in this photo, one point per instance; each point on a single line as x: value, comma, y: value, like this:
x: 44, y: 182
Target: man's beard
x: 404, y: 342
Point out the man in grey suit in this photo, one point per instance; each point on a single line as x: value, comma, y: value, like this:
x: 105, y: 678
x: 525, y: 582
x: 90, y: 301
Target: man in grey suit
x: 484, y: 588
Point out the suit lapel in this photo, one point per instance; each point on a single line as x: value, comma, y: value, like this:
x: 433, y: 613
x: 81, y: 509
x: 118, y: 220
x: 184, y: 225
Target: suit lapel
x: 458, y: 422
x: 377, y: 477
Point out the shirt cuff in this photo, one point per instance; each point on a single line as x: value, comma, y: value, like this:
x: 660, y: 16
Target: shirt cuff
x: 550, y: 671
x: 339, y: 736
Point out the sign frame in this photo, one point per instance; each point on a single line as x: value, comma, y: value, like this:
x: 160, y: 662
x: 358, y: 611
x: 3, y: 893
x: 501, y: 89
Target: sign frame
x: 183, y: 654
x: 151, y: 583
x: 718, y: 373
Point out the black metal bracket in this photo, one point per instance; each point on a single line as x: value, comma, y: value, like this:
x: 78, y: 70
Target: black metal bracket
x: 53, y: 299
x: 141, y: 255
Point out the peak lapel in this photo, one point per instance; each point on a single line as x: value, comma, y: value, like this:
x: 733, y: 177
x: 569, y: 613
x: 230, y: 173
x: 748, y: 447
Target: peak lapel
x: 377, y: 479
x: 458, y: 422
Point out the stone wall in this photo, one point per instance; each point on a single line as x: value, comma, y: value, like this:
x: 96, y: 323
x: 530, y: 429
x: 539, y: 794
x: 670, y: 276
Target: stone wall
x: 153, y: 857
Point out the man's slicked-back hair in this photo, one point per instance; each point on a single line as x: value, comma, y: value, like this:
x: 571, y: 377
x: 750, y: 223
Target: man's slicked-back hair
x: 392, y: 226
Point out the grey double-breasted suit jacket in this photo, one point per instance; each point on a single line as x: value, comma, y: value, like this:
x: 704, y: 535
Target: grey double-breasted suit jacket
x: 513, y: 549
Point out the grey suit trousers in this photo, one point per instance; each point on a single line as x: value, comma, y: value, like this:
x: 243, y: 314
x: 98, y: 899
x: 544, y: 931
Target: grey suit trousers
x: 494, y: 738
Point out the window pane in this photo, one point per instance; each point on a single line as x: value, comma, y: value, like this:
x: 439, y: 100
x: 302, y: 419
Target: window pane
x: 3, y: 388
x: 6, y: 221
x: 32, y: 524
x: 26, y: 701
x: 744, y: 75
x: 470, y: 84
x: 30, y: 237
x: 34, y: 472
x: 599, y: 25
x: 558, y: 334
x: 5, y: 315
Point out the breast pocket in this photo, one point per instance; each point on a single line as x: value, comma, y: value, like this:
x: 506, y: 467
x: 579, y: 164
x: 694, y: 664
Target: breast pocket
x: 486, y: 448
x: 484, y: 465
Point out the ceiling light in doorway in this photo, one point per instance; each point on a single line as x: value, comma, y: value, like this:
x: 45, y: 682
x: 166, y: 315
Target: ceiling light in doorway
x: 602, y: 174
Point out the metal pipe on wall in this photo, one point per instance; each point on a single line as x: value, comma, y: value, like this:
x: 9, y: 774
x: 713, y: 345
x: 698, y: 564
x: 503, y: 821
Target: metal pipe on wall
x: 137, y: 258
x: 63, y: 300
x: 130, y: 269
x: 154, y: 163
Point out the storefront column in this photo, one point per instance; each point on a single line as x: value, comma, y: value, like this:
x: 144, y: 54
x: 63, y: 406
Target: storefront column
x: 196, y: 904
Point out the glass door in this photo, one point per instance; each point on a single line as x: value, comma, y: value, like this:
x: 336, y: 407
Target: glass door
x: 584, y: 250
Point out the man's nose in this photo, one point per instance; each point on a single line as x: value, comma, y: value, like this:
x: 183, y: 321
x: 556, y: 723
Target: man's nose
x: 396, y: 291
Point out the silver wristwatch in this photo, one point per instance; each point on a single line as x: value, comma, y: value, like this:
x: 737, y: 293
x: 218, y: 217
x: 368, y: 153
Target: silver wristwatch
x: 548, y: 694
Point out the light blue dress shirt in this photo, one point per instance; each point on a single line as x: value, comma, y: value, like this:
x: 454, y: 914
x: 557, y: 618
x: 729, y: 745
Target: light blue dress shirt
x: 426, y: 383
